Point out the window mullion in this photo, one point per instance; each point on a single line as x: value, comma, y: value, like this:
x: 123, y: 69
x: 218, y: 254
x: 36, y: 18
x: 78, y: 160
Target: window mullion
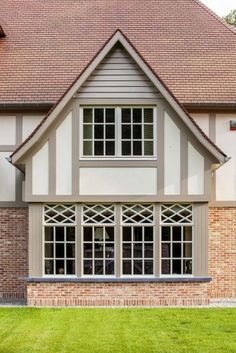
x: 118, y: 141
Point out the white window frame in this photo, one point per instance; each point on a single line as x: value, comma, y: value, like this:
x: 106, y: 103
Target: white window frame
x: 118, y: 155
x: 176, y: 224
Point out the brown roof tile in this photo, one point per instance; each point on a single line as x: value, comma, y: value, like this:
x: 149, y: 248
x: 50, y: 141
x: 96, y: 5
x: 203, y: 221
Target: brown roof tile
x: 49, y: 42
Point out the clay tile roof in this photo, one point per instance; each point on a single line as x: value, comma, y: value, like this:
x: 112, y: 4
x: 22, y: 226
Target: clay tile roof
x: 2, y: 34
x: 187, y: 45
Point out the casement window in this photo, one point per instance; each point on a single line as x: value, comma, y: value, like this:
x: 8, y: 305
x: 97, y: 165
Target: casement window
x: 176, y: 239
x: 98, y: 240
x: 137, y: 240
x: 119, y: 132
x: 59, y: 240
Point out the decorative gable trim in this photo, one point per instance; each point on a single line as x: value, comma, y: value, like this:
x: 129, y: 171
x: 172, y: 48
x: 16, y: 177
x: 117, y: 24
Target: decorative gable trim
x: 118, y: 36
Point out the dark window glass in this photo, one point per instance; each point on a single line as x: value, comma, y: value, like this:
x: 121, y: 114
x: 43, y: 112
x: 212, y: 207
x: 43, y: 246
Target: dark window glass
x: 176, y: 249
x: 176, y: 233
x: 88, y: 234
x: 70, y: 250
x: 176, y: 267
x: 137, y: 115
x: 48, y: 233
x: 49, y: 267
x: 165, y: 233
x: 99, y: 132
x: 109, y: 267
x: 98, y: 267
x: 88, y: 114
x: 165, y: 250
x: 148, y: 233
x: 98, y: 148
x: 98, y: 115
x: 165, y: 265
x: 138, y: 267
x: 127, y: 267
x: 126, y: 148
x: 126, y: 115
x: 148, y: 267
x: 110, y: 131
x: 110, y: 115
x: 138, y: 251
x: 138, y: 234
x: 70, y: 267
x: 70, y: 234
x: 126, y: 233
x: 137, y: 131
x: 126, y: 132
x: 60, y: 267
x: 59, y: 250
x: 88, y: 250
x: 110, y: 148
x: 127, y: 250
x: 59, y: 233
x: 49, y: 250
x: 137, y: 148
x: 88, y: 267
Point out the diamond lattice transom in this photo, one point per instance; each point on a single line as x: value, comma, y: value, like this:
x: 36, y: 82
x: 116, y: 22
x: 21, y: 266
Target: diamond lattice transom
x: 176, y: 214
x: 62, y: 214
x: 98, y: 214
x: 137, y: 214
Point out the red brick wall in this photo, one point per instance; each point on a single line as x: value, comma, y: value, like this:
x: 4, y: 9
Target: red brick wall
x: 13, y: 251
x: 222, y: 252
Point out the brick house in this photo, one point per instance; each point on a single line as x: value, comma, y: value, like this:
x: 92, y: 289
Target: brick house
x: 117, y: 153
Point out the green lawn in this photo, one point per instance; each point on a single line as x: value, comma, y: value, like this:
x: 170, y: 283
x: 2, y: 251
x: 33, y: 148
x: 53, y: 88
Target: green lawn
x: 28, y: 330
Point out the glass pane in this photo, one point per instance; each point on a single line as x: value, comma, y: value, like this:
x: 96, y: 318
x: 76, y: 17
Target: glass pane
x: 60, y: 267
x: 176, y: 267
x: 110, y: 148
x: 187, y: 267
x: 148, y: 115
x: 88, y: 250
x: 148, y: 233
x: 110, y: 132
x: 99, y: 132
x: 138, y: 234
x: 59, y: 233
x: 148, y: 250
x: 148, y: 148
x: 126, y: 132
x: 137, y: 115
x: 109, y: 267
x: 165, y: 250
x: 165, y: 233
x: 60, y: 250
x: 70, y: 267
x: 137, y: 131
x: 138, y: 251
x: 88, y: 114
x: 70, y: 234
x: 126, y: 233
x: 49, y: 267
x: 87, y: 133
x: 148, y: 267
x: 176, y: 233
x: 126, y: 148
x: 110, y: 115
x: 148, y: 132
x: 137, y: 148
x: 88, y: 267
x: 88, y: 234
x: 70, y: 250
x: 87, y: 146
x: 98, y: 251
x: 98, y: 115
x: 49, y: 250
x: 98, y: 234
x: 126, y: 116
x: 98, y: 148
x: 98, y: 267
x: 187, y: 233
x: 48, y: 233
x: 165, y: 267
x: 109, y: 251
x: 176, y: 248
x: 109, y: 234
x: 127, y: 268
x: 127, y: 250
x: 138, y: 267
x: 187, y: 249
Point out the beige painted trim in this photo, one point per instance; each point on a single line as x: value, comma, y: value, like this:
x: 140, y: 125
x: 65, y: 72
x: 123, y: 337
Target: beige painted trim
x: 35, y: 240
x: 118, y: 37
x: 200, y: 240
x: 222, y: 204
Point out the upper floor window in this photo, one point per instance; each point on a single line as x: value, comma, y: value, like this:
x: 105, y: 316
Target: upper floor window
x: 121, y: 132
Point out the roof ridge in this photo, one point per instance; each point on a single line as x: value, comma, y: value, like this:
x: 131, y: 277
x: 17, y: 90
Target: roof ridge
x: 213, y: 14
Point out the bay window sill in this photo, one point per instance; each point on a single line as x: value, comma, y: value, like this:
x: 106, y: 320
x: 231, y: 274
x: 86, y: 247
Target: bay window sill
x: 119, y: 280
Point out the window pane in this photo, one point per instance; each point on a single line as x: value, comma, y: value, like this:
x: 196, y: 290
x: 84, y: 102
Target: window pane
x: 88, y: 234
x: 109, y: 234
x: 127, y: 267
x: 176, y: 233
x: 137, y: 115
x: 187, y: 267
x: 110, y: 131
x: 70, y: 250
x: 148, y: 148
x: 98, y: 267
x: 126, y: 115
x: 88, y: 267
x: 59, y: 233
x: 187, y: 233
x: 109, y: 251
x: 165, y: 233
x: 148, y: 250
x: 137, y: 148
x: 70, y: 267
x: 110, y: 115
x: 138, y: 267
x: 110, y: 148
x: 127, y: 250
x: 138, y: 234
x: 148, y: 267
x: 165, y: 252
x: 187, y: 249
x: 126, y: 148
x: 165, y: 267
x: 88, y: 250
x: 176, y: 267
x: 49, y: 267
x: 126, y: 132
x: 148, y: 132
x: 176, y: 249
x: 87, y: 148
x: 109, y: 267
x: 126, y: 233
x: 148, y: 115
x: 137, y: 131
x: 70, y: 234
x: 99, y: 132
x: 60, y: 267
x: 98, y: 234
x: 98, y: 115
x: 98, y: 251
x: 59, y: 250
x: 87, y: 133
x: 49, y: 250
x: 48, y: 233
x: 98, y: 148
x: 148, y: 233
x: 138, y: 251
x: 88, y: 114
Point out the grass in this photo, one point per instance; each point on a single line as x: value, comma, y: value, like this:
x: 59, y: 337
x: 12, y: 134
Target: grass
x: 29, y: 330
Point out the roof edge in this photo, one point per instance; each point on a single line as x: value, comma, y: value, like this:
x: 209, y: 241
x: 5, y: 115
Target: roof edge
x: 2, y: 33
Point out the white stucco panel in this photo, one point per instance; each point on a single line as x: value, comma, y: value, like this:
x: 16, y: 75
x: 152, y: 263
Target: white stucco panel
x: 171, y: 157
x: 40, y: 171
x: 195, y: 171
x: 29, y: 123
x: 203, y: 122
x: 7, y: 178
x: 7, y: 130
x: 118, y: 181
x: 226, y: 175
x: 64, y: 157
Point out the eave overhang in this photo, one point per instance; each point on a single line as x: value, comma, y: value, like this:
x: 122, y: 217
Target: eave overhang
x: 2, y: 33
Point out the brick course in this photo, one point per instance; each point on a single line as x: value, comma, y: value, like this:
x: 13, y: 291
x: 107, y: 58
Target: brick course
x: 14, y: 253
